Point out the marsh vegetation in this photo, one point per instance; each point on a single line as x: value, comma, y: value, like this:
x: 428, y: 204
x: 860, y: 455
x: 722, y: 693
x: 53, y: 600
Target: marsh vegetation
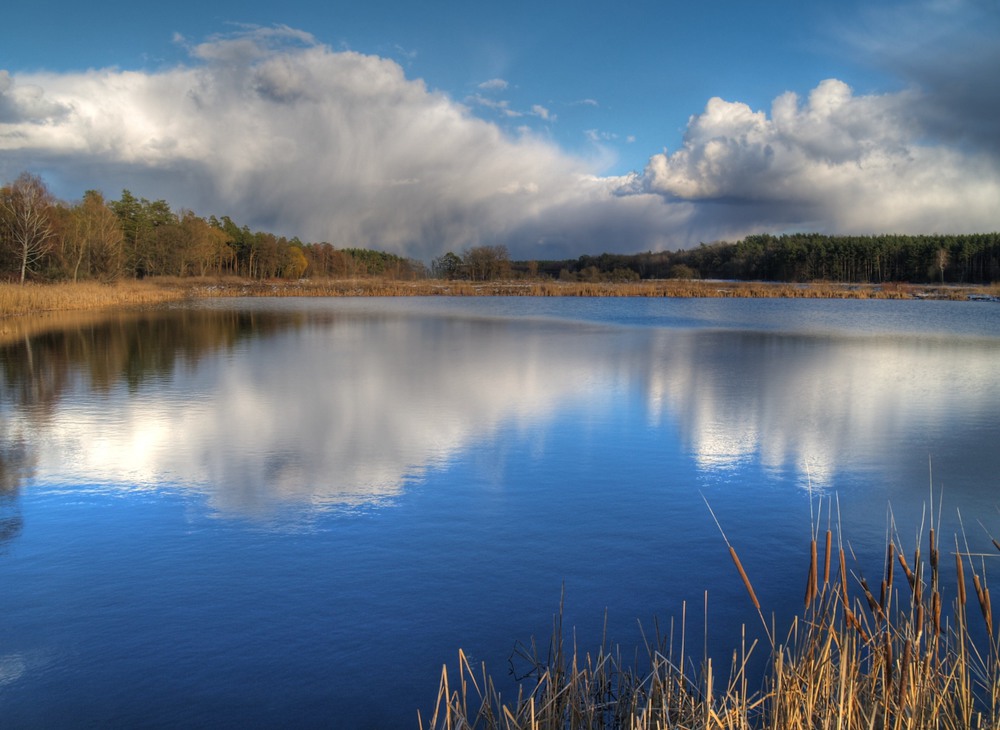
x: 33, y: 298
x: 903, y: 647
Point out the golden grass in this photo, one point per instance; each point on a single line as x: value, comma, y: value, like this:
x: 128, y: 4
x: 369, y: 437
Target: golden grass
x: 34, y: 298
x: 550, y: 288
x: 850, y: 661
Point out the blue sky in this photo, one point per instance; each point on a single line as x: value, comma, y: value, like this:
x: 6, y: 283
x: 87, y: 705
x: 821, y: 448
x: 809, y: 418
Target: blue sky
x: 555, y: 128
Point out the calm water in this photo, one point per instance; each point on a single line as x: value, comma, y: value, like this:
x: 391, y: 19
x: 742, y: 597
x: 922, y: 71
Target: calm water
x: 294, y: 512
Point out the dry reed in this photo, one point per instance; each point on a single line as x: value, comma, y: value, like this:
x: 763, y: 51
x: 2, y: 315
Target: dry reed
x: 848, y: 662
x: 34, y: 298
x: 552, y: 288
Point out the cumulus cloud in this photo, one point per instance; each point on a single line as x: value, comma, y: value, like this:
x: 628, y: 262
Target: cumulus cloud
x: 26, y: 104
x: 836, y: 162
x: 282, y: 133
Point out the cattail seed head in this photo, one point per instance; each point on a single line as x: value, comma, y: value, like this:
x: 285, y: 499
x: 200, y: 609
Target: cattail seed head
x: 961, y: 579
x: 826, y: 558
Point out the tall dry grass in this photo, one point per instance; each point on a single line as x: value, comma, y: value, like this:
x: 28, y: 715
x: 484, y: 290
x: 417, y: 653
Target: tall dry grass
x: 902, y: 655
x: 33, y: 298
x: 551, y: 288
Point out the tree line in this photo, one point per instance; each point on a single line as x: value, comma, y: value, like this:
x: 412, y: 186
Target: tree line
x: 803, y: 257
x: 42, y: 238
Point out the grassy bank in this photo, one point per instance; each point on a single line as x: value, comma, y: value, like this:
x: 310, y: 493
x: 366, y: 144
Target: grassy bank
x: 34, y: 298
x: 900, y: 655
x: 551, y: 288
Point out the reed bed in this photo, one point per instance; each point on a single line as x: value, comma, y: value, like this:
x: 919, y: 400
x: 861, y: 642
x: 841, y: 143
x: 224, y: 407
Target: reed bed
x: 901, y: 655
x: 551, y: 288
x: 34, y: 298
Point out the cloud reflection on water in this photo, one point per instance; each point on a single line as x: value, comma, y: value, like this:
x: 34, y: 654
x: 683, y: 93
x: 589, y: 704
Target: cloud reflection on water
x: 344, y: 409
x: 821, y: 405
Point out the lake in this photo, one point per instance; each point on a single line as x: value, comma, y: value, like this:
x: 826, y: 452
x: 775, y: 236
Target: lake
x: 294, y: 512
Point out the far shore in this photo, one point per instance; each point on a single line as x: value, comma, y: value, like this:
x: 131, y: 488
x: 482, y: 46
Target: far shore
x: 62, y: 297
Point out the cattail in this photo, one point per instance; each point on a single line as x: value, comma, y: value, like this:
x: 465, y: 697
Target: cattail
x: 872, y: 604
x: 743, y: 575
x: 979, y: 589
x: 988, y: 612
x: 904, y: 669
x: 853, y: 623
x: 882, y: 592
x: 888, y: 660
x: 810, y: 582
x: 826, y: 558
x: 936, y: 612
x: 984, y: 604
x: 995, y: 543
x: 890, y: 551
x: 906, y: 569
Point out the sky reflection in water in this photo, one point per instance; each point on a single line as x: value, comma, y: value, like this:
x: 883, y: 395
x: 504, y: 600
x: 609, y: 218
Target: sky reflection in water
x: 449, y: 453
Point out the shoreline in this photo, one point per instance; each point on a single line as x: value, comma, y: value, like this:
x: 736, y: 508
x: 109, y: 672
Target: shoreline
x: 17, y: 300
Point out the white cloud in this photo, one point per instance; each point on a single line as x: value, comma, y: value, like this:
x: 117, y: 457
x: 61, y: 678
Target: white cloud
x: 540, y: 111
x: 284, y: 134
x: 493, y: 85
x: 26, y: 103
x: 596, y: 136
x: 502, y: 105
x: 837, y: 162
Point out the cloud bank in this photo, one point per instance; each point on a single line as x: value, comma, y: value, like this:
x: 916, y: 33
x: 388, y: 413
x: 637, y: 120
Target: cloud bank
x: 285, y: 134
x: 835, y: 162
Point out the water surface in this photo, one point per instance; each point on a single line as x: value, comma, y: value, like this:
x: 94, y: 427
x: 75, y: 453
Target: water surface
x: 293, y: 512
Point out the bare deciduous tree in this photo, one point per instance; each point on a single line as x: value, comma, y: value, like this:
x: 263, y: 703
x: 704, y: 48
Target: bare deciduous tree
x: 26, y: 223
x: 485, y: 263
x: 93, y: 240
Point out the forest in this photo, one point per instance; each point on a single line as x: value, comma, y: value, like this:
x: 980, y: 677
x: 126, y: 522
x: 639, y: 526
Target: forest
x: 44, y: 239
x: 805, y: 257
x: 96, y: 239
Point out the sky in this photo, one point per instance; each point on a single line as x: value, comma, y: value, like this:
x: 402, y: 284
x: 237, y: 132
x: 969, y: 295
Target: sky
x: 556, y: 129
